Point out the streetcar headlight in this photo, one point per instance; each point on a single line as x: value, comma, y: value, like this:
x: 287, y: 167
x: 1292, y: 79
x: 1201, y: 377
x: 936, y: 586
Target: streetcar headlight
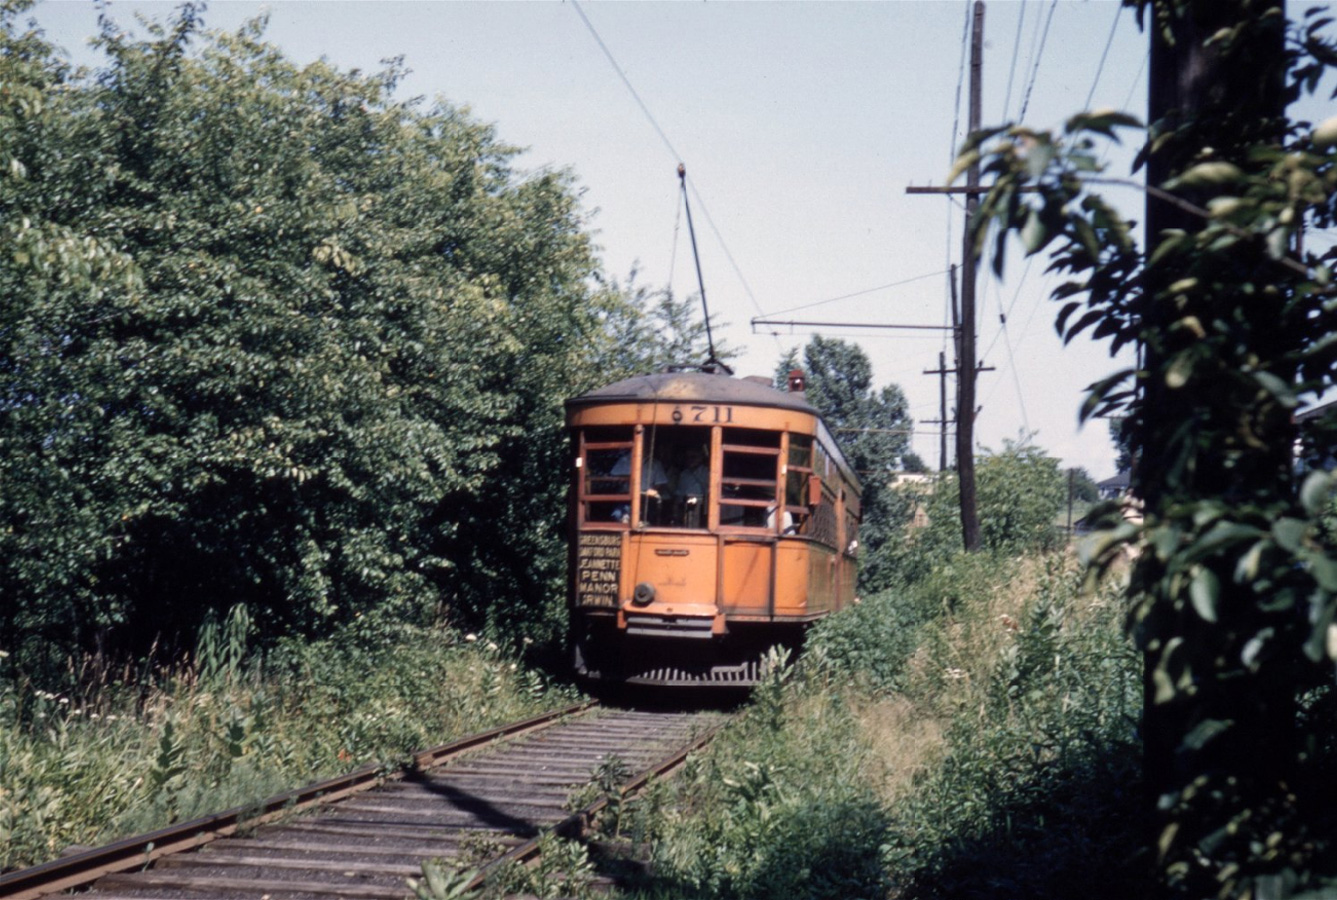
x: 644, y: 594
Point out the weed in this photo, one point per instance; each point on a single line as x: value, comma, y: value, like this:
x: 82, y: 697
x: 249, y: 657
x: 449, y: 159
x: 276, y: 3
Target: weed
x: 777, y: 807
x: 605, y: 784
x: 562, y: 869
x: 118, y: 755
x: 442, y: 880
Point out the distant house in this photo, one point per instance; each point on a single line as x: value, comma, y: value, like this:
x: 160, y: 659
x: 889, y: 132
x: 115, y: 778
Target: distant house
x: 1327, y: 461
x: 1113, y: 488
x: 922, y: 484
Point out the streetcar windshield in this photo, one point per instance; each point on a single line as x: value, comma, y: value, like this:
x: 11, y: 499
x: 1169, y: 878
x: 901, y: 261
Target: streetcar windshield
x: 683, y: 499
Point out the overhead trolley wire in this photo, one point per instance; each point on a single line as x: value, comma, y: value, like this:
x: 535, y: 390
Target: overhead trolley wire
x: 1012, y: 70
x: 626, y: 81
x: 677, y: 157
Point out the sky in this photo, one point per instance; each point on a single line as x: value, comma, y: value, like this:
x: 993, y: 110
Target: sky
x: 801, y: 125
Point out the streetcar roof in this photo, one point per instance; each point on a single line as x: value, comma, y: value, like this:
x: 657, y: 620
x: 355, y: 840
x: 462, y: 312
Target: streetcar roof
x: 709, y: 387
x: 695, y: 387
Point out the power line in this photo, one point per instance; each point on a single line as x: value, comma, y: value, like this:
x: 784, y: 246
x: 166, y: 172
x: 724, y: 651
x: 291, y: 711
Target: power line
x: 951, y: 155
x: 1003, y: 315
x: 871, y: 290
x: 1039, y: 54
x: 1109, y: 41
x: 1012, y: 69
x: 1016, y: 378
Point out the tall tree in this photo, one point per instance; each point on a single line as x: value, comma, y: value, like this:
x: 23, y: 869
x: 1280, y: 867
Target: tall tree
x: 873, y: 428
x: 269, y: 335
x: 655, y: 328
x: 1234, y: 587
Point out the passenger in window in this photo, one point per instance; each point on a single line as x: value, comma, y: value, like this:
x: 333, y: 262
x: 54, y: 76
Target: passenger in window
x: 691, y: 487
x: 785, y: 519
x: 654, y: 482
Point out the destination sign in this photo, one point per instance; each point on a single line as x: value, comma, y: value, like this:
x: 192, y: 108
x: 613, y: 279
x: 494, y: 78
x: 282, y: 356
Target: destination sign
x: 598, y: 569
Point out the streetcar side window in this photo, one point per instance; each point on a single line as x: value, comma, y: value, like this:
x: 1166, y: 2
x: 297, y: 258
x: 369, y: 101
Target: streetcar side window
x: 605, y: 474
x: 749, y: 482
x: 851, y: 532
x: 798, y: 474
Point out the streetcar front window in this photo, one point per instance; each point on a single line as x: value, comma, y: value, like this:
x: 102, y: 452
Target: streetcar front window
x: 749, y: 482
x: 681, y: 454
x: 605, y: 474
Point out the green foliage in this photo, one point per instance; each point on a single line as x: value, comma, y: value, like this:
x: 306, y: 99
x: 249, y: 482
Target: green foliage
x: 779, y: 807
x: 128, y: 754
x: 563, y: 869
x: 1020, y: 491
x: 1123, y: 460
x: 871, y: 643
x: 270, y: 336
x: 1036, y: 794
x: 655, y: 329
x: 1235, y: 584
x: 1084, y: 487
x: 441, y: 882
x: 973, y: 734
x: 873, y: 426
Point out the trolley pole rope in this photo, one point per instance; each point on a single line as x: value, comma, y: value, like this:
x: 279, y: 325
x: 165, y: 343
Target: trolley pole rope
x: 701, y: 283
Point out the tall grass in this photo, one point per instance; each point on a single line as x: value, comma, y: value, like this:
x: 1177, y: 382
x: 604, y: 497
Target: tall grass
x: 779, y: 807
x: 1034, y: 790
x: 973, y: 734
x: 127, y: 751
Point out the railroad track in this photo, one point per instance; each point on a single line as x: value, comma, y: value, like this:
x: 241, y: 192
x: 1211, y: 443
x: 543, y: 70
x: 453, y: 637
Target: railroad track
x: 367, y: 833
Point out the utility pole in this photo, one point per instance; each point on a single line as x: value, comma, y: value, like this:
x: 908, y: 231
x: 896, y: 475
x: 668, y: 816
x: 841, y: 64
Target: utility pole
x: 942, y: 421
x: 967, y: 368
x: 1199, y: 96
x: 965, y: 364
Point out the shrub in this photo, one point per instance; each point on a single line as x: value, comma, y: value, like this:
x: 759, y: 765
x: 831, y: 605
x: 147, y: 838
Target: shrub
x: 780, y: 806
x: 1019, y: 493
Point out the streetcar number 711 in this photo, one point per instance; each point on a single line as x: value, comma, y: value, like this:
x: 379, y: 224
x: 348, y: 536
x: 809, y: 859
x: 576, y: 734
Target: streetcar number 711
x: 714, y: 415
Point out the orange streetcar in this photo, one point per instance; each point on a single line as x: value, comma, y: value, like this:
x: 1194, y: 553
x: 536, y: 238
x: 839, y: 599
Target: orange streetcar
x: 714, y: 517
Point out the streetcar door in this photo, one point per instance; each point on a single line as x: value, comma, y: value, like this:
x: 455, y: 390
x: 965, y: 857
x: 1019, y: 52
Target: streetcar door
x: 750, y: 514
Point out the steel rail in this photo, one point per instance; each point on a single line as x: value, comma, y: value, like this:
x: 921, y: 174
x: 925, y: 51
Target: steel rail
x: 81, y: 868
